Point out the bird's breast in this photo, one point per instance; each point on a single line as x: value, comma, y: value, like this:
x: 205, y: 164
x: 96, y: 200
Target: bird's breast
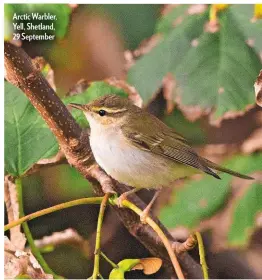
x: 113, y: 153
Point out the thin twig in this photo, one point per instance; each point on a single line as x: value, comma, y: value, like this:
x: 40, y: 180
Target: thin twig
x: 98, y: 236
x: 114, y: 265
x: 29, y: 237
x: 69, y: 237
x: 17, y: 238
x: 86, y: 200
x: 162, y: 236
x: 100, y: 276
x: 98, y: 200
x: 202, y: 255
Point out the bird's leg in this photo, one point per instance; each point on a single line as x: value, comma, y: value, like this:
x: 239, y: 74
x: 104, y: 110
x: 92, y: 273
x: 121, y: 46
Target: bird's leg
x: 124, y: 196
x: 146, y: 211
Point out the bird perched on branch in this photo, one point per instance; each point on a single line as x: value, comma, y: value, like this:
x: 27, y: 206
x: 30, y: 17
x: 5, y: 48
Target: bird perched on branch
x: 137, y: 149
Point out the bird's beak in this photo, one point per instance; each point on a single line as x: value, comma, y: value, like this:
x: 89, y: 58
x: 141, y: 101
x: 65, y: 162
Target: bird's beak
x: 77, y: 106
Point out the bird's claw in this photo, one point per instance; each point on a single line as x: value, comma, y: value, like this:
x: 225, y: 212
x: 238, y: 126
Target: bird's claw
x: 143, y: 216
x: 120, y: 200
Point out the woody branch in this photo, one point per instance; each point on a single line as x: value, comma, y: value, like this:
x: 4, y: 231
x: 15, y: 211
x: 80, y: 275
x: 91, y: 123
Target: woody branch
x: 74, y: 142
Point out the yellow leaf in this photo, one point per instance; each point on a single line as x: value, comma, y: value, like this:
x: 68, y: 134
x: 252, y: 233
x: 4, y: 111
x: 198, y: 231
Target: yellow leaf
x: 220, y: 7
x: 258, y: 11
x: 215, y: 8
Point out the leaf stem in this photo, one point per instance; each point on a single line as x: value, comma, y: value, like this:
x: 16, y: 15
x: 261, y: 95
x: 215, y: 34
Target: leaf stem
x: 202, y: 255
x: 34, y: 249
x: 86, y: 200
x: 114, y: 265
x: 103, y: 204
x: 162, y: 236
x: 103, y: 201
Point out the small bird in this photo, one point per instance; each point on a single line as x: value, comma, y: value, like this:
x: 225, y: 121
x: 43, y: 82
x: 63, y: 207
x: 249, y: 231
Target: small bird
x: 137, y: 149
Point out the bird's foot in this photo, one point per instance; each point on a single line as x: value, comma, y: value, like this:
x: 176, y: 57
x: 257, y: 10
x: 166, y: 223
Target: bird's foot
x: 124, y: 196
x: 144, y: 215
x: 120, y: 200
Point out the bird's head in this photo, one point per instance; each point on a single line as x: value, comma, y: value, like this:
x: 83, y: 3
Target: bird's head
x: 108, y: 110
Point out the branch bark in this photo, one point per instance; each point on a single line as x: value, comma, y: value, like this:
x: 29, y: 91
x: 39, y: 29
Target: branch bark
x: 74, y: 142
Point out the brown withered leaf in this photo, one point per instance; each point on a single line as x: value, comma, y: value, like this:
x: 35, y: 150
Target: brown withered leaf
x: 129, y: 59
x: 59, y: 158
x: 149, y: 265
x: 11, y: 201
x: 169, y: 85
x: 192, y: 113
x: 145, y: 47
x: 230, y: 115
x: 69, y: 236
x: 212, y: 26
x: 218, y: 152
x: 253, y: 142
x: 197, y: 9
x: 21, y: 262
x: 133, y: 95
x: 79, y: 87
x: 193, y: 9
x: 167, y: 8
x: 258, y: 89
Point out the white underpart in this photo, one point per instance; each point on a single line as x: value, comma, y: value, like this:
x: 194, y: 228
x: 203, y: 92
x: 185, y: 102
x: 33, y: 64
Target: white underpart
x: 128, y: 164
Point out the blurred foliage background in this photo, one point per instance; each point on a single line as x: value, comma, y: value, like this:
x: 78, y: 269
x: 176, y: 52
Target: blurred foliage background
x: 194, y: 67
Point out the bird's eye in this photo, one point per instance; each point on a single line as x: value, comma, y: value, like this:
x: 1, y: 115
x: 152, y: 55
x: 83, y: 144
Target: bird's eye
x: 101, y: 113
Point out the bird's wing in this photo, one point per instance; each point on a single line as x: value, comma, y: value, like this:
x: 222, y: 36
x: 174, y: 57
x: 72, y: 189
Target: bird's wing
x: 165, y: 142
x: 170, y: 145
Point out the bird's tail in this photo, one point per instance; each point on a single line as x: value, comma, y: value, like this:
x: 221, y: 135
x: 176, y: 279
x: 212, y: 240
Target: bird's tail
x: 215, y: 166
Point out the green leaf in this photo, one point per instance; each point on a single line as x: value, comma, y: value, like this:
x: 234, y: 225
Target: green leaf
x: 123, y: 266
x: 117, y: 273
x: 146, y: 75
x: 61, y: 11
x: 128, y: 264
x: 217, y: 71
x: 95, y: 90
x: 251, y: 30
x: 198, y: 200
x: 166, y: 23
x: 220, y: 71
x: 244, y: 216
x: 27, y: 137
